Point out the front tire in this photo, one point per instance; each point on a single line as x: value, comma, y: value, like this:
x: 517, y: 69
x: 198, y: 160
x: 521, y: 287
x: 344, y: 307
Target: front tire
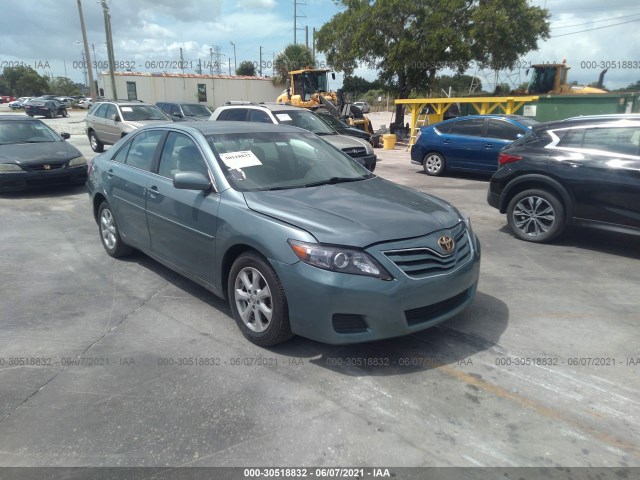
x: 110, y: 234
x: 96, y: 145
x: 433, y: 164
x: 536, y: 216
x: 258, y: 301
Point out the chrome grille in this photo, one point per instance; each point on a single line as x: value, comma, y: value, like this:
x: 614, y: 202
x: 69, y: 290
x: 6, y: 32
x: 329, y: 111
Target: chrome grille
x: 355, y: 151
x: 41, y: 166
x: 425, y: 261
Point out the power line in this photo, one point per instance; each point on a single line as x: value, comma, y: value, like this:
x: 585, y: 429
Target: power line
x: 596, y: 28
x: 596, y: 21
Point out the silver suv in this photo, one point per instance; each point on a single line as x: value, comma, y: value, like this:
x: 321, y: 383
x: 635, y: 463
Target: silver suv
x: 360, y: 150
x: 109, y: 121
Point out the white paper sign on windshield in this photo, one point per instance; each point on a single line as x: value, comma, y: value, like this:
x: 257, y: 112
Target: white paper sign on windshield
x: 241, y: 159
x: 126, y: 109
x: 283, y: 117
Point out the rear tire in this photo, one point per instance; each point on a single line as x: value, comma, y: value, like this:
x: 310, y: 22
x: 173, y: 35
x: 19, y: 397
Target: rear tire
x: 257, y: 301
x: 536, y: 216
x: 434, y: 164
x: 110, y: 234
x: 96, y: 145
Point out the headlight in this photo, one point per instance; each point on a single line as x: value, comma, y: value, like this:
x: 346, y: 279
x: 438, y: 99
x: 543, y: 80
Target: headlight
x: 9, y: 167
x: 74, y: 162
x: 339, y: 259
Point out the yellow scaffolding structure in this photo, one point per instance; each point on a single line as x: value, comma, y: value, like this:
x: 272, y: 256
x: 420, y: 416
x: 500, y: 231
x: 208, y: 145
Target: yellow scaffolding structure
x: 482, y: 105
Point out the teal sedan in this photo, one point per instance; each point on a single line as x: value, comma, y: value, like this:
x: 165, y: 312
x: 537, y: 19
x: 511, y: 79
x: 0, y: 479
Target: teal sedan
x: 299, y: 237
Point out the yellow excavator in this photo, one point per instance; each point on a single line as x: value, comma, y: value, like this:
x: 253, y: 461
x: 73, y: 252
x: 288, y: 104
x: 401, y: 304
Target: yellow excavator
x: 552, y: 78
x: 308, y: 88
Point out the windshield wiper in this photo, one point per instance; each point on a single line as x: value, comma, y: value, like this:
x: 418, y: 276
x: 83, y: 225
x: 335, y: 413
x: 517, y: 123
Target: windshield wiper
x: 333, y: 181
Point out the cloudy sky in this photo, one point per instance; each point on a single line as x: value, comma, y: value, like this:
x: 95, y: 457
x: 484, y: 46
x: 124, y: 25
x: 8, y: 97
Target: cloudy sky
x: 148, y: 35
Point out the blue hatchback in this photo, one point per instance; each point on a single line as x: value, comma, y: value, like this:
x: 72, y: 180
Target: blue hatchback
x: 470, y: 143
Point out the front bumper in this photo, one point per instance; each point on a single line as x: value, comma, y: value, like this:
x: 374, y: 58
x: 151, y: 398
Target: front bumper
x: 337, y: 308
x: 10, y: 182
x: 367, y: 161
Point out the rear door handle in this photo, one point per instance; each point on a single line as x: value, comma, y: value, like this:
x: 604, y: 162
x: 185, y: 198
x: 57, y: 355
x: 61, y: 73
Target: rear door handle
x: 110, y: 173
x: 153, y: 191
x: 446, y: 142
x: 488, y: 145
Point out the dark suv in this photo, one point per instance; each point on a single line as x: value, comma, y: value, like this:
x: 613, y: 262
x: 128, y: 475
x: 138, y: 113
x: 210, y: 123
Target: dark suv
x: 182, y: 112
x: 581, y: 171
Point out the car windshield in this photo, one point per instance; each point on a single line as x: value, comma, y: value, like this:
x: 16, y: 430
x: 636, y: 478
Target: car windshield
x: 332, y: 121
x: 278, y: 161
x: 133, y: 113
x: 195, y: 110
x: 304, y: 119
x: 26, y: 132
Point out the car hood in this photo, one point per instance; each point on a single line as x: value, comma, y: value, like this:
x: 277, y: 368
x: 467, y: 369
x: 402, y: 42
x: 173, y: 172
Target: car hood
x: 357, y: 213
x: 343, y: 141
x: 30, y: 153
x: 142, y: 123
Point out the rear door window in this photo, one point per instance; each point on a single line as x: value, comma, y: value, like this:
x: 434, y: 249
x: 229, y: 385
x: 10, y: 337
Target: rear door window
x: 143, y: 149
x: 472, y: 127
x: 234, y: 115
x: 503, y: 130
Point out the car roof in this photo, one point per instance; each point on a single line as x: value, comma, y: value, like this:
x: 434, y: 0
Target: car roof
x: 16, y: 118
x: 593, y: 120
x: 209, y: 128
x: 274, y: 107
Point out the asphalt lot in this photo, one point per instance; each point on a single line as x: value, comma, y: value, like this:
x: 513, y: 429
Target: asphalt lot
x: 108, y: 362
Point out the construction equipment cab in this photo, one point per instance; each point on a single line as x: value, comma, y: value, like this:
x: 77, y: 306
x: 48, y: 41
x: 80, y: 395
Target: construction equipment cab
x: 305, y: 87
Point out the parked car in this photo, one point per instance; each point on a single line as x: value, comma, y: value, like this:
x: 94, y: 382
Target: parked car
x: 364, y: 106
x: 109, y: 121
x: 361, y: 151
x: 272, y: 217
x: 46, y: 107
x: 470, y: 143
x: 583, y: 171
x: 85, y: 103
x: 180, y: 112
x: 32, y: 154
x: 19, y: 103
x: 67, y: 101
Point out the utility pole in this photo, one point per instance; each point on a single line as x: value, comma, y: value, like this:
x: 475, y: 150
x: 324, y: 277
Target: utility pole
x: 306, y: 35
x: 260, y: 69
x: 235, y: 61
x: 313, y: 43
x: 92, y: 87
x: 211, y: 61
x: 107, y: 30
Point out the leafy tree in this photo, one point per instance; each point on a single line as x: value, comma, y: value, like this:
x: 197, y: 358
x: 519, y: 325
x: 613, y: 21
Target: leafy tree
x: 246, y: 68
x: 64, y: 86
x: 357, y: 86
x: 293, y: 57
x: 24, y: 81
x: 504, y: 30
x: 408, y: 41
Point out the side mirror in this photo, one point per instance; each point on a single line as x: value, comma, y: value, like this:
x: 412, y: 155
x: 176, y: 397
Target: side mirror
x: 65, y: 136
x: 191, y: 181
x: 114, y: 117
x: 177, y: 115
x: 333, y: 75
